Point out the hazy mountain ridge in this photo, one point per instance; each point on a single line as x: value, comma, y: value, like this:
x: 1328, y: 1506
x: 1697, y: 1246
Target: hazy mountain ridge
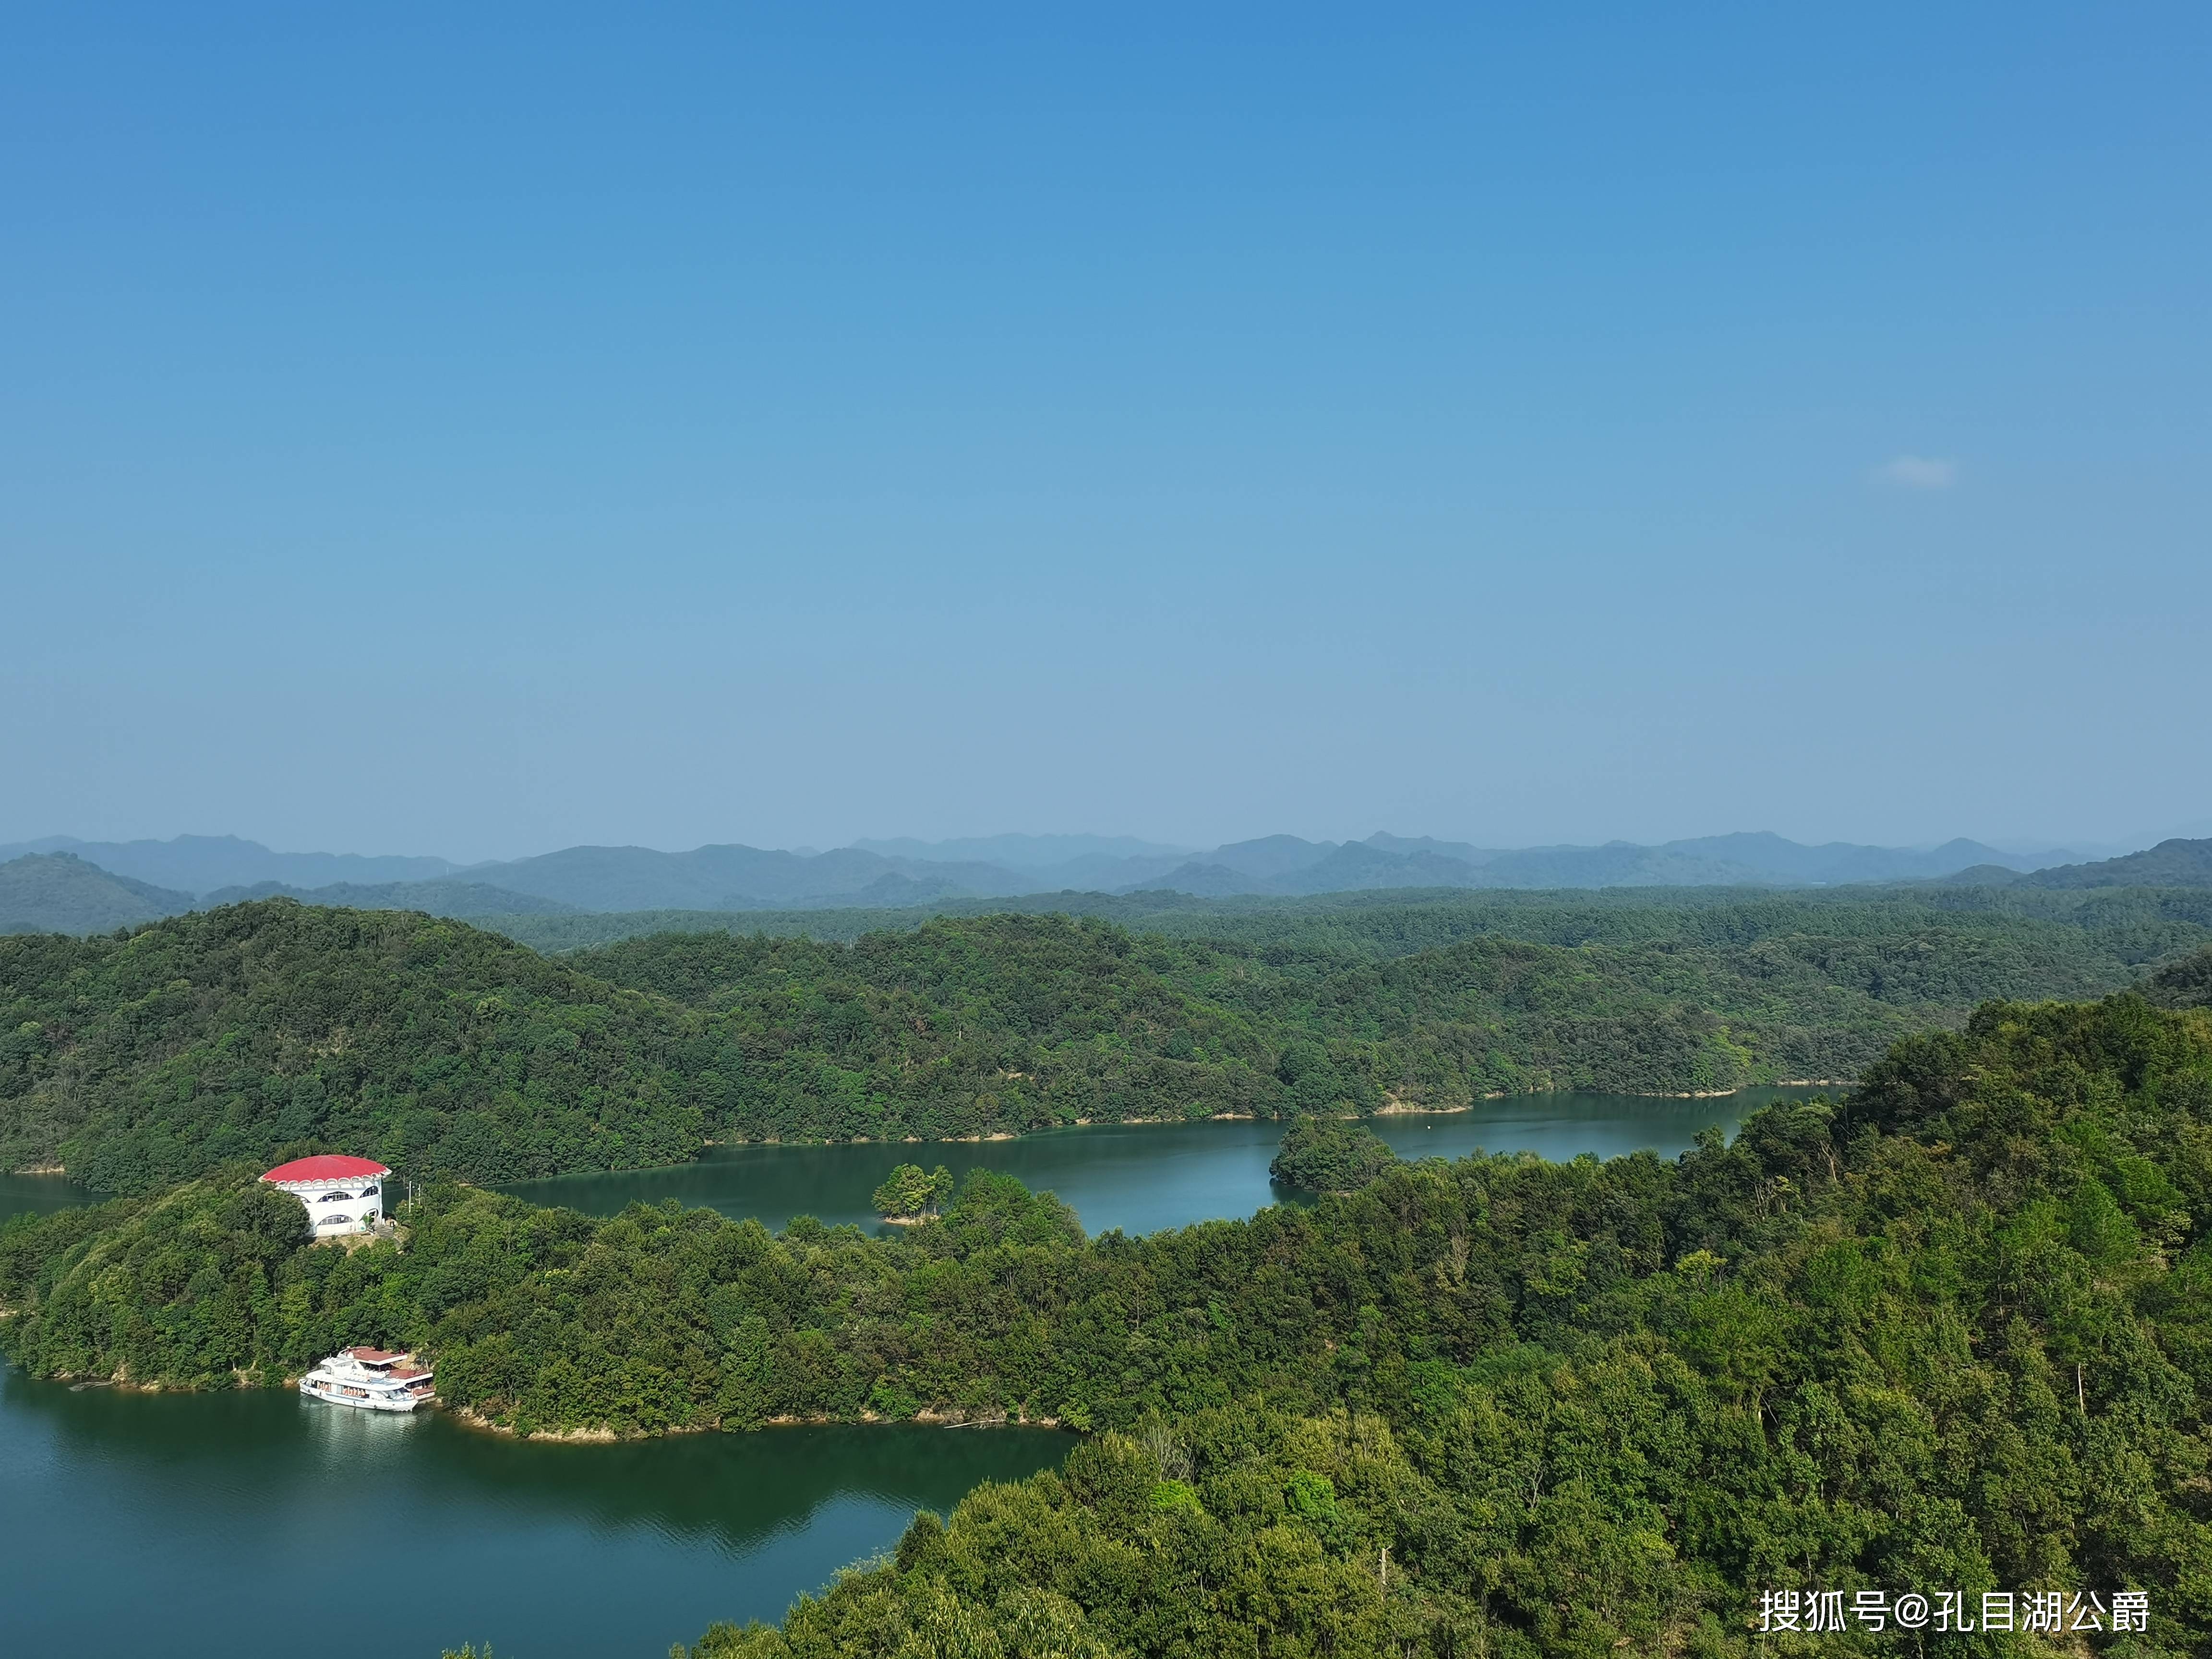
x: 61, y: 893
x: 201, y: 864
x: 1286, y: 865
x: 1028, y: 852
x: 2176, y: 863
x: 736, y: 878
x: 729, y: 877
x: 739, y: 877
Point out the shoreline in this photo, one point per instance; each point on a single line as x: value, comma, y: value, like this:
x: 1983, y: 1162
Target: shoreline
x: 1393, y: 1107
x: 470, y: 1418
x: 950, y: 1418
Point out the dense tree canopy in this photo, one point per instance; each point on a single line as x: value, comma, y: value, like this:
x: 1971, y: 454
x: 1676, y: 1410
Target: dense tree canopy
x: 1953, y: 1331
x: 911, y: 1191
x: 2186, y: 983
x: 1013, y: 1022
x: 2102, y: 933
x: 1331, y: 1155
x: 263, y: 1030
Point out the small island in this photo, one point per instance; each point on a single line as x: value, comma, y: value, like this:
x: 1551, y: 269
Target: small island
x: 912, y: 1196
x: 1331, y: 1155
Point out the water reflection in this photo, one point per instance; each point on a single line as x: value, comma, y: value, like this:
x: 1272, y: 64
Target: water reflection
x: 227, y: 1524
x: 38, y: 1194
x: 1141, y: 1177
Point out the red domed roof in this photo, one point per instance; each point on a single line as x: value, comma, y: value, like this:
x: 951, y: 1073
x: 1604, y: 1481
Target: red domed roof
x: 326, y: 1166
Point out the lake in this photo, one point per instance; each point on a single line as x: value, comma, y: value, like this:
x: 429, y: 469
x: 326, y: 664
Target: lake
x: 262, y: 1526
x: 40, y: 1194
x: 239, y: 1525
x: 1143, y: 1176
x: 1137, y: 1176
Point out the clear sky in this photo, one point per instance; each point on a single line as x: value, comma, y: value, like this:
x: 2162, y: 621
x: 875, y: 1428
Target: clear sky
x: 476, y: 430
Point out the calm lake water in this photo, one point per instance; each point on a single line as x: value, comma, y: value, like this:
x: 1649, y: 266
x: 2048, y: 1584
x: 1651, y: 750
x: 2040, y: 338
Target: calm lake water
x: 40, y: 1193
x: 250, y: 1525
x: 235, y: 1526
x: 1141, y: 1177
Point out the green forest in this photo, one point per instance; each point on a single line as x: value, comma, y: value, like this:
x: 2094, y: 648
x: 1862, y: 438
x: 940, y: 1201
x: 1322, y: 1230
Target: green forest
x: 910, y: 1191
x: 1952, y: 1330
x: 260, y: 1030
x: 2124, y: 925
x: 1330, y: 1155
x: 265, y: 1030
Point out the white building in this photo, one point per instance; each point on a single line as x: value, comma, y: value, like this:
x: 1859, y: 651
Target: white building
x: 342, y: 1194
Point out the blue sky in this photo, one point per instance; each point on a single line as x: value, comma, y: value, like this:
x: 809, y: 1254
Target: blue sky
x: 669, y: 424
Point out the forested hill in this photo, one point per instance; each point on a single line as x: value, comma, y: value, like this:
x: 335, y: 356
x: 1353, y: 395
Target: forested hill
x: 2176, y: 863
x: 1015, y: 1021
x: 59, y: 892
x: 2186, y: 983
x: 267, y: 1028
x: 1953, y: 1332
x: 2128, y: 926
x: 467, y: 900
x: 264, y: 1029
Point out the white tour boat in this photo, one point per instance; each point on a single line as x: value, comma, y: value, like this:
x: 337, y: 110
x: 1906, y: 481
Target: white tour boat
x: 370, y: 1378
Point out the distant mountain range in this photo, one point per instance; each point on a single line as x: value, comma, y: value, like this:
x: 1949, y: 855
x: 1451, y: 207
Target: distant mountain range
x: 1060, y: 861
x: 65, y: 885
x: 60, y: 893
x: 2174, y: 863
x: 1286, y: 865
x: 910, y: 872
x: 743, y: 878
x: 200, y: 863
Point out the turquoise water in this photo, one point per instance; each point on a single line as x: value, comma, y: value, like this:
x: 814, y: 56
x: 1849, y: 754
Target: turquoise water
x: 39, y: 1194
x: 1141, y: 1177
x: 240, y: 1525
x: 262, y: 1526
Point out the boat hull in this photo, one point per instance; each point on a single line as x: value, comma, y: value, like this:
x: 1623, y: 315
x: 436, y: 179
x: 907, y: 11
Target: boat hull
x: 366, y: 1401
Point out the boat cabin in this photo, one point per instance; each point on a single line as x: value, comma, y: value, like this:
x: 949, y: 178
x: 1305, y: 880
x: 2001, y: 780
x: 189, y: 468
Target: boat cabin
x: 372, y: 1379
x: 341, y: 1194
